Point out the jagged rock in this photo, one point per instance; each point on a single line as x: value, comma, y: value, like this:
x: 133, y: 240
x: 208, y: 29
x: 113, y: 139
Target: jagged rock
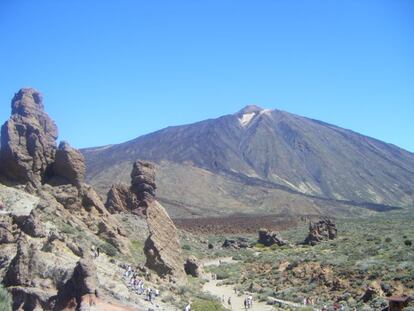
x: 81, y: 290
x: 111, y: 234
x: 6, y: 230
x: 269, y: 238
x: 69, y: 164
x: 91, y: 199
x: 192, y: 267
x: 28, y: 141
x: 19, y: 271
x: 143, y: 182
x: 237, y: 243
x: 121, y: 199
x: 162, y: 247
x: 324, y: 229
x: 31, y: 225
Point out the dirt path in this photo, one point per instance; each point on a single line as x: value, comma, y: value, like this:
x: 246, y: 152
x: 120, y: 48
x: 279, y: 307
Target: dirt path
x: 237, y: 303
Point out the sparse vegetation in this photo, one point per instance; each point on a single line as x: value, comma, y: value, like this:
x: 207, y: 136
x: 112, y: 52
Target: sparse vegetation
x: 5, y: 299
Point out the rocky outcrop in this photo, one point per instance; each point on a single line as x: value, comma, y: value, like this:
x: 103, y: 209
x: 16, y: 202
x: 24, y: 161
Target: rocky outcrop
x: 143, y: 182
x: 269, y: 238
x: 236, y: 243
x: 324, y: 229
x: 139, y: 195
x: 81, y: 291
x: 69, y: 164
x: 121, y: 199
x: 162, y: 247
x: 31, y: 224
x: 28, y: 141
x: 193, y: 267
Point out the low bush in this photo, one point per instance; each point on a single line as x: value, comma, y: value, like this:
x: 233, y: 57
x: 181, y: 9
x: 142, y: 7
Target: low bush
x: 206, y: 305
x: 108, y: 249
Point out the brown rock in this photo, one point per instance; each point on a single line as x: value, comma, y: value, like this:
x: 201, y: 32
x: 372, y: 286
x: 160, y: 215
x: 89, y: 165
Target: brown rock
x: 69, y: 164
x: 193, y: 267
x: 269, y: 238
x: 6, y: 230
x: 28, y: 141
x: 31, y: 225
x: 143, y: 182
x: 324, y: 229
x: 121, y: 199
x: 162, y: 247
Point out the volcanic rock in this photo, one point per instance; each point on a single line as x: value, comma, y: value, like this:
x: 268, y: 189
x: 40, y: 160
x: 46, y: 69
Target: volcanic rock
x: 162, y: 247
x: 324, y: 229
x: 31, y: 225
x: 69, y: 164
x: 236, y: 243
x: 193, y: 267
x: 269, y: 238
x: 143, y: 182
x: 121, y: 199
x: 28, y: 141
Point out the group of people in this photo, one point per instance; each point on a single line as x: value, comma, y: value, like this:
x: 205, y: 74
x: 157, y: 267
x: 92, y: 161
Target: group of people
x: 138, y: 285
x: 248, y: 302
x: 308, y: 301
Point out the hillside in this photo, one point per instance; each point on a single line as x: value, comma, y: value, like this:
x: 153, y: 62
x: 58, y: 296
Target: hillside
x: 260, y: 161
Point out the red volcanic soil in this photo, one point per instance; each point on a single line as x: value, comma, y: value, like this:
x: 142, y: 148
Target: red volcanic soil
x: 237, y: 223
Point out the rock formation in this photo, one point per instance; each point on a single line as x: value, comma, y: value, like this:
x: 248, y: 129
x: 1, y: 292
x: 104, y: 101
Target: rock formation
x: 193, y: 267
x: 43, y: 234
x: 69, y: 164
x: 324, y: 229
x: 121, y: 199
x: 143, y: 182
x: 269, y: 238
x: 162, y: 247
x: 28, y: 140
x: 236, y: 243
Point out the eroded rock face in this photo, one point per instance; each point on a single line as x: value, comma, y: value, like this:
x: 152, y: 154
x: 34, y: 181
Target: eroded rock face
x: 80, y: 292
x: 121, y: 199
x: 143, y: 182
x: 28, y: 140
x: 193, y: 267
x: 324, y: 229
x: 269, y: 238
x: 69, y: 164
x: 162, y: 247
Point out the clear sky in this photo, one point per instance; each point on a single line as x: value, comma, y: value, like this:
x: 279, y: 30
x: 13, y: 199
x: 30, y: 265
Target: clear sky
x: 111, y: 70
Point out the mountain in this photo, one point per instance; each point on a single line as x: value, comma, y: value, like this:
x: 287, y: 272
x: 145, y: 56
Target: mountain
x: 263, y: 161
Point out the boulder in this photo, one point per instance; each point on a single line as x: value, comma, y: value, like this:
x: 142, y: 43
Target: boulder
x: 6, y: 230
x: 236, y: 243
x: 69, y: 164
x: 81, y: 290
x: 324, y: 229
x: 31, y: 225
x: 162, y: 247
x: 28, y: 141
x: 121, y: 199
x: 269, y: 238
x: 193, y: 267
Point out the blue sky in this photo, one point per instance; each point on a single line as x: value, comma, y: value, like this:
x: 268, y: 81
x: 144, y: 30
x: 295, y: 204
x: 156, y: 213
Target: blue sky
x: 113, y: 70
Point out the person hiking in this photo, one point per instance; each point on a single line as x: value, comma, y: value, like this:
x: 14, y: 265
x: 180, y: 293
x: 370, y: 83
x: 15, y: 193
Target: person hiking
x: 229, y: 301
x: 187, y: 307
x: 245, y: 303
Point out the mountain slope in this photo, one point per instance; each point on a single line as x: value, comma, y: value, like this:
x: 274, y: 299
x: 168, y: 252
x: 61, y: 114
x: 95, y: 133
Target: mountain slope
x: 284, y: 155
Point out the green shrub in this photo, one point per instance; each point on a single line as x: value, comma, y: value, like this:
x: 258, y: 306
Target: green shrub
x: 108, y: 249
x: 186, y: 247
x: 206, y: 305
x: 408, y: 242
x: 259, y: 245
x: 5, y: 299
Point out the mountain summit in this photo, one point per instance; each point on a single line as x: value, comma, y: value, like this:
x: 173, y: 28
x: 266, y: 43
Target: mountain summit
x: 263, y: 161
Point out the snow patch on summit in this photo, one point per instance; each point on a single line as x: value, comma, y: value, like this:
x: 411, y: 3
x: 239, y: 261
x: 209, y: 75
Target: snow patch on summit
x: 246, y: 118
